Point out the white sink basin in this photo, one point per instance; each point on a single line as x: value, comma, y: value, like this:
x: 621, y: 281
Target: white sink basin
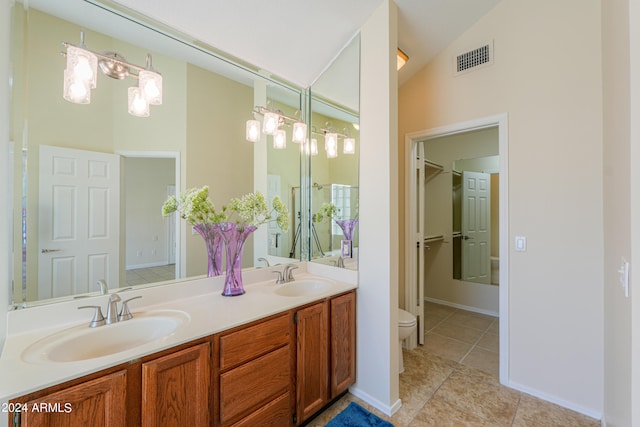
x: 83, y: 343
x: 304, y: 287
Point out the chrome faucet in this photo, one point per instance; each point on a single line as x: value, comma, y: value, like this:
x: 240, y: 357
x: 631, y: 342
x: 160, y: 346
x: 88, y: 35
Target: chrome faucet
x: 112, y: 312
x: 112, y: 309
x: 340, y: 263
x: 287, y: 273
x: 104, y: 289
x: 266, y: 261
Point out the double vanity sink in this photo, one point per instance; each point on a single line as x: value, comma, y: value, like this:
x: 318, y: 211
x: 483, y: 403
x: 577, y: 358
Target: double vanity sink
x: 82, y: 342
x: 165, y: 317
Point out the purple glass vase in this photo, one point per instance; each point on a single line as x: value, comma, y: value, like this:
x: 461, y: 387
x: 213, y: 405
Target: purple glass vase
x: 213, y: 241
x: 234, y: 238
x: 347, y: 226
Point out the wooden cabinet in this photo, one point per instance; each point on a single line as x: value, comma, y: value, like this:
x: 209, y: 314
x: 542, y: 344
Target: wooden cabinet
x: 98, y: 403
x: 168, y: 388
x: 278, y: 371
x: 343, y: 343
x: 255, y: 374
x: 326, y: 364
x: 175, y: 388
x: 312, y: 391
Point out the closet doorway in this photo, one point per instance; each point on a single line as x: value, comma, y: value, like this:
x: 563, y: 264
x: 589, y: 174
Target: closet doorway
x: 450, y: 257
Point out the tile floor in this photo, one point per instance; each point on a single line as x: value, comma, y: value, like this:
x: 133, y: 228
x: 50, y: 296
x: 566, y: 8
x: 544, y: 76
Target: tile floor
x: 141, y: 276
x: 452, y: 381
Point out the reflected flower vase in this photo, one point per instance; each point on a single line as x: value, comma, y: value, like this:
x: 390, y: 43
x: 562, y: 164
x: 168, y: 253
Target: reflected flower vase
x: 234, y: 238
x: 213, y: 241
x: 347, y: 226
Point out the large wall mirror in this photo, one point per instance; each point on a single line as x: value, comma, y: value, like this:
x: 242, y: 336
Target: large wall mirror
x: 195, y: 138
x: 334, y: 162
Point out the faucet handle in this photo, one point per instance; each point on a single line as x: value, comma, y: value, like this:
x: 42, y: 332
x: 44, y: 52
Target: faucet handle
x: 125, y: 313
x: 280, y: 276
x: 98, y: 318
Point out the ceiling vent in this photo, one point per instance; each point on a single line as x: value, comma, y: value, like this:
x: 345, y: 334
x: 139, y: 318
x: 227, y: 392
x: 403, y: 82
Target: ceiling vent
x: 474, y: 59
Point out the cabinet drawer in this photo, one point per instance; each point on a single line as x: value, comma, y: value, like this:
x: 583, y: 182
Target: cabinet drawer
x: 276, y: 414
x: 246, y: 388
x: 249, y: 343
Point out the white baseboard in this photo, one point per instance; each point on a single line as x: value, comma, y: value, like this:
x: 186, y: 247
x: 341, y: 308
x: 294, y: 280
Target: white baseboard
x: 385, y: 409
x: 553, y: 399
x: 147, y: 265
x: 462, y: 307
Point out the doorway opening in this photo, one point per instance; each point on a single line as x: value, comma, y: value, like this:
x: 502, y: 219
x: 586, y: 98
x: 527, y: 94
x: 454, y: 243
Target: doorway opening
x: 421, y: 237
x: 152, y: 243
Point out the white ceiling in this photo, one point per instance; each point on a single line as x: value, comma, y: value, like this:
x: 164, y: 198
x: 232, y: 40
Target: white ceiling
x: 298, y: 39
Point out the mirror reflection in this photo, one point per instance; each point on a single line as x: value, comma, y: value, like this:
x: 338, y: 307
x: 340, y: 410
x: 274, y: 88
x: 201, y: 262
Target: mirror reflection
x: 335, y: 147
x: 129, y: 165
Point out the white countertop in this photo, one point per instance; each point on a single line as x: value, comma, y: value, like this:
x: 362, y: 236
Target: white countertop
x: 208, y: 311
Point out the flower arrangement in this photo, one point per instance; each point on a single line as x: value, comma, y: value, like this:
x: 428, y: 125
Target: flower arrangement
x: 327, y: 210
x: 196, y: 208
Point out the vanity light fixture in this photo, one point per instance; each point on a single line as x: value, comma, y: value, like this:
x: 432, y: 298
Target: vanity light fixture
x: 280, y: 139
x: 299, y: 132
x: 253, y: 131
x: 349, y: 146
x: 80, y: 76
x: 402, y: 58
x: 314, y: 147
x: 270, y: 123
x: 331, y: 145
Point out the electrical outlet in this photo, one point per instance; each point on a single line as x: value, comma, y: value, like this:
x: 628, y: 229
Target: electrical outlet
x: 521, y: 244
x: 139, y: 253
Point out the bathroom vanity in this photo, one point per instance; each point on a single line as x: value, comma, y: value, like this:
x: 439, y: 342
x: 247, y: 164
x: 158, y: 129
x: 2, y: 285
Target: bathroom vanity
x: 276, y: 355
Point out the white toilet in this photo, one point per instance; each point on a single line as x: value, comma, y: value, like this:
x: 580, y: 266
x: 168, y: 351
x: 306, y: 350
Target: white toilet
x: 406, y: 325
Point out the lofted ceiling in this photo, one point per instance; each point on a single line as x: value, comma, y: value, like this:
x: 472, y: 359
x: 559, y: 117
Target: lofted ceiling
x: 298, y: 39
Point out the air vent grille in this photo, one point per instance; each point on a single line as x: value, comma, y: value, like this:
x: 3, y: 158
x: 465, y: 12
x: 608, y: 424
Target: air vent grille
x: 474, y: 58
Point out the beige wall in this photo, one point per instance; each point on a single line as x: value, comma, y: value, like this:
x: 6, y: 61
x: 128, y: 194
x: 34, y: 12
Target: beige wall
x: 218, y: 154
x: 547, y: 77
x: 617, y: 208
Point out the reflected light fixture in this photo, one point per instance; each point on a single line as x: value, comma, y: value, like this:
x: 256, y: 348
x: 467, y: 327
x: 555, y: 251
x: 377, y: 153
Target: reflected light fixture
x: 402, y: 58
x: 331, y: 145
x: 314, y: 147
x: 80, y: 76
x: 270, y: 123
x: 280, y: 139
x: 349, y: 146
x: 299, y: 132
x: 253, y: 130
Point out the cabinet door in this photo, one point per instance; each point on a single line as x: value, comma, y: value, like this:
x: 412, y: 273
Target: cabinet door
x: 96, y: 403
x: 175, y: 388
x: 343, y: 343
x: 312, y: 391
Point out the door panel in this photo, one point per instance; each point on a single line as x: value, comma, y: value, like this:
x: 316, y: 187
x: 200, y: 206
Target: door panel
x: 476, y: 227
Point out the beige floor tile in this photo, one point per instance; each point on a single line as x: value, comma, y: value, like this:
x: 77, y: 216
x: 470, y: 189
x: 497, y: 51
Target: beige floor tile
x: 495, y: 327
x: 446, y: 347
x: 471, y: 320
x: 539, y: 413
x: 490, y: 341
x: 475, y: 393
x: 484, y: 360
x: 431, y: 321
x: 460, y: 333
x: 440, y: 413
x: 439, y: 310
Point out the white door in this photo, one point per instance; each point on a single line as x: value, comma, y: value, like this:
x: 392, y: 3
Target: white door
x: 421, y: 177
x: 476, y: 227
x: 276, y: 243
x: 79, y: 227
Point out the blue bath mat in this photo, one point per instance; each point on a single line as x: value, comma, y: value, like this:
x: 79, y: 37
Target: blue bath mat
x: 356, y: 416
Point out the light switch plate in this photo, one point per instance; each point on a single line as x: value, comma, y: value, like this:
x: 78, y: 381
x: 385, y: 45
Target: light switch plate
x: 624, y: 277
x: 521, y: 244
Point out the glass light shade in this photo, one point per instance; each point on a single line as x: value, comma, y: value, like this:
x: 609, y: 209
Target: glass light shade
x: 83, y: 64
x: 150, y: 83
x: 138, y: 105
x: 270, y: 123
x: 253, y: 131
x: 280, y: 140
x: 349, y: 146
x: 75, y: 89
x: 331, y: 145
x: 299, y: 132
x: 314, y: 147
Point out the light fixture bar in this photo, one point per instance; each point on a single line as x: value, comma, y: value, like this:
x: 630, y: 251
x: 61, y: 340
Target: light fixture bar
x: 262, y: 111
x: 107, y: 58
